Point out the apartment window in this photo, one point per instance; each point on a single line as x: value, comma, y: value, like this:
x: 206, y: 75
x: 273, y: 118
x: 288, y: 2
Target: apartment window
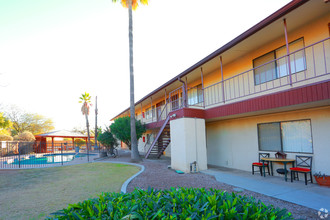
x: 273, y: 69
x: 291, y: 136
x: 150, y: 138
x: 195, y: 95
x: 175, y: 102
x: 148, y: 113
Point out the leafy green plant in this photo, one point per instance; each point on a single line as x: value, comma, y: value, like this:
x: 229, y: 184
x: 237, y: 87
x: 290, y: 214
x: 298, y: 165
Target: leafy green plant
x: 121, y: 128
x: 176, y: 203
x: 107, y: 139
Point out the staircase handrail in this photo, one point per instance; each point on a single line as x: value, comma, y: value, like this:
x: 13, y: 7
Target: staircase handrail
x: 158, y: 120
x: 158, y: 135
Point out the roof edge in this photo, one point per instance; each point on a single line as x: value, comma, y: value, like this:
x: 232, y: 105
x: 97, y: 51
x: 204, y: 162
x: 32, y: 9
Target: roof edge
x: 259, y: 26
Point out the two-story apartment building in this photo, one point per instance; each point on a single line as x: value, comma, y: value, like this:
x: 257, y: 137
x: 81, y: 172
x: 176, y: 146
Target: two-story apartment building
x: 267, y: 90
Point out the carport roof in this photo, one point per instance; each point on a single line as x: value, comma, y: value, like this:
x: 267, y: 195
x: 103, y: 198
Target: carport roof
x: 63, y: 134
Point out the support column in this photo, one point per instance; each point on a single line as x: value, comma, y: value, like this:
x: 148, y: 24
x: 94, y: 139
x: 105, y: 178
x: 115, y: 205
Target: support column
x: 165, y: 103
x: 52, y: 144
x: 223, y: 84
x: 202, y: 86
x: 73, y: 144
x: 188, y: 144
x: 152, y: 115
x: 141, y: 113
x: 287, y: 49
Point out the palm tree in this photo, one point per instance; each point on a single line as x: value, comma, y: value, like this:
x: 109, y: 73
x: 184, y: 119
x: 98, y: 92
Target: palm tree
x: 86, y: 100
x: 132, y: 4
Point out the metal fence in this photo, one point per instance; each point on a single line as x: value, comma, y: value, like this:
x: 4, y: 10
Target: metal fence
x: 18, y: 154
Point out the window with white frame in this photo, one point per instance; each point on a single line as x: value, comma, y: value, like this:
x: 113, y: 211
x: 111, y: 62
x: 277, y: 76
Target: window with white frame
x: 267, y: 68
x: 289, y: 136
x: 195, y: 95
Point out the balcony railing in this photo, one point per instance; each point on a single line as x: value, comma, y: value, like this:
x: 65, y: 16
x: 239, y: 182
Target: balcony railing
x: 308, y: 65
x: 311, y: 63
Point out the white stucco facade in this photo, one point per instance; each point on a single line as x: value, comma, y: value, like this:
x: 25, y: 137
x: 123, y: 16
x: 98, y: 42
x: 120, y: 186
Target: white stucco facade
x: 188, y: 144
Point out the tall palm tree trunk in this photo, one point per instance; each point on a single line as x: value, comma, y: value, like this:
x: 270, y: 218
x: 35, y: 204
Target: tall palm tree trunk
x: 135, y: 157
x: 88, y: 136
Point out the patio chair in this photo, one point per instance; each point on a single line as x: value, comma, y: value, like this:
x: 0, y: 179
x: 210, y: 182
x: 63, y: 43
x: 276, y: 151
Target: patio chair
x: 303, y: 165
x: 259, y: 164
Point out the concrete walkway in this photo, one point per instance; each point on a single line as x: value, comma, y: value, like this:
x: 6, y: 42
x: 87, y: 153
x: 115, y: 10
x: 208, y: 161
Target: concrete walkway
x: 312, y: 195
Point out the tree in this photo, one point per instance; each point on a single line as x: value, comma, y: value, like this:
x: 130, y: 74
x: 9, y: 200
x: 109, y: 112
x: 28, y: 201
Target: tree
x: 86, y: 100
x: 107, y: 139
x: 22, y: 121
x: 80, y: 130
x: 79, y: 142
x: 5, y: 124
x: 132, y: 4
x: 122, y: 130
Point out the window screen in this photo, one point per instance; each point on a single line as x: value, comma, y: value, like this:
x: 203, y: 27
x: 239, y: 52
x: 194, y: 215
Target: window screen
x: 296, y: 136
x: 269, y: 137
x: 292, y: 136
x: 265, y: 72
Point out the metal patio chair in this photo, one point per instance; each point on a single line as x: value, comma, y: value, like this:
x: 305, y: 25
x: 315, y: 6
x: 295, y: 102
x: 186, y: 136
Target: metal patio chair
x: 303, y: 165
x: 259, y: 164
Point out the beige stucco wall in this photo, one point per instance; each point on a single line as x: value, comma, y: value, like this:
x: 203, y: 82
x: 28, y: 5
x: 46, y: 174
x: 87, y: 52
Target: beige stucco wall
x: 234, y: 143
x: 141, y: 145
x: 188, y: 143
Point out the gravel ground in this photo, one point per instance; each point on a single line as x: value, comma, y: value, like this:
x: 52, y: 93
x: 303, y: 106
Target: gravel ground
x: 158, y: 176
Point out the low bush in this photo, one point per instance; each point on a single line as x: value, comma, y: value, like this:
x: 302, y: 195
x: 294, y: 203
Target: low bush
x: 181, y: 203
x: 4, y: 137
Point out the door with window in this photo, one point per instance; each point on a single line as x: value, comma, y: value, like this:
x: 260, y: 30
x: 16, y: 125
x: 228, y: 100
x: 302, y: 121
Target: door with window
x: 159, y: 109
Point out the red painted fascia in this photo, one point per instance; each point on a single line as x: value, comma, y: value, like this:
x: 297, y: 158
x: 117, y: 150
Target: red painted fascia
x: 311, y: 93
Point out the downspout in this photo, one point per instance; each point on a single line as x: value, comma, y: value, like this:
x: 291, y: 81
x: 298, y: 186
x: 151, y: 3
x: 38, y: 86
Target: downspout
x: 183, y: 92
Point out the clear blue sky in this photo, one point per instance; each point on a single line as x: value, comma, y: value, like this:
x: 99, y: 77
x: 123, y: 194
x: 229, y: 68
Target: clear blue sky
x: 51, y: 51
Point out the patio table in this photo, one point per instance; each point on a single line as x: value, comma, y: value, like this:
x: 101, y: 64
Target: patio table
x: 281, y: 160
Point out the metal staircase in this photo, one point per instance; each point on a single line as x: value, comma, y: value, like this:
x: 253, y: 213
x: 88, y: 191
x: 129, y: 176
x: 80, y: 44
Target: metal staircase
x: 162, y: 140
x: 163, y: 137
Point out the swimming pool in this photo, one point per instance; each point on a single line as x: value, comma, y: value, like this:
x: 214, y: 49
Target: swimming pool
x: 47, y: 158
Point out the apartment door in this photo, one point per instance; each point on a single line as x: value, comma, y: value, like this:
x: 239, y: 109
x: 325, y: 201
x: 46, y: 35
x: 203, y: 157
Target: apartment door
x: 175, y: 102
x: 159, y: 109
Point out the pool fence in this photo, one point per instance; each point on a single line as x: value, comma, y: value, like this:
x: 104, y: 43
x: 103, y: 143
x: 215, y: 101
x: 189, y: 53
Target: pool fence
x: 20, y: 154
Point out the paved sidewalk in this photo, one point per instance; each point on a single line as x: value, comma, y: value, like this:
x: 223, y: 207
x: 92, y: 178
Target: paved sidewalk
x: 312, y: 196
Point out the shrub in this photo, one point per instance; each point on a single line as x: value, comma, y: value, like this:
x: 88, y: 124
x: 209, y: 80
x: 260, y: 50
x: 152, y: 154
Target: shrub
x: 25, y: 136
x: 181, y: 203
x: 4, y: 137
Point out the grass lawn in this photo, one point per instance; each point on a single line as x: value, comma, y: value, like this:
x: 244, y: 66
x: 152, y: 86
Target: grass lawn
x: 35, y: 193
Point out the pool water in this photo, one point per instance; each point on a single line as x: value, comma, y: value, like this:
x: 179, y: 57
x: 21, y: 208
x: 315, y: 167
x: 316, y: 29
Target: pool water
x: 49, y: 158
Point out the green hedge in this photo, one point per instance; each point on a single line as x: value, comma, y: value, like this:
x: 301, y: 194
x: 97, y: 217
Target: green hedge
x: 181, y: 203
